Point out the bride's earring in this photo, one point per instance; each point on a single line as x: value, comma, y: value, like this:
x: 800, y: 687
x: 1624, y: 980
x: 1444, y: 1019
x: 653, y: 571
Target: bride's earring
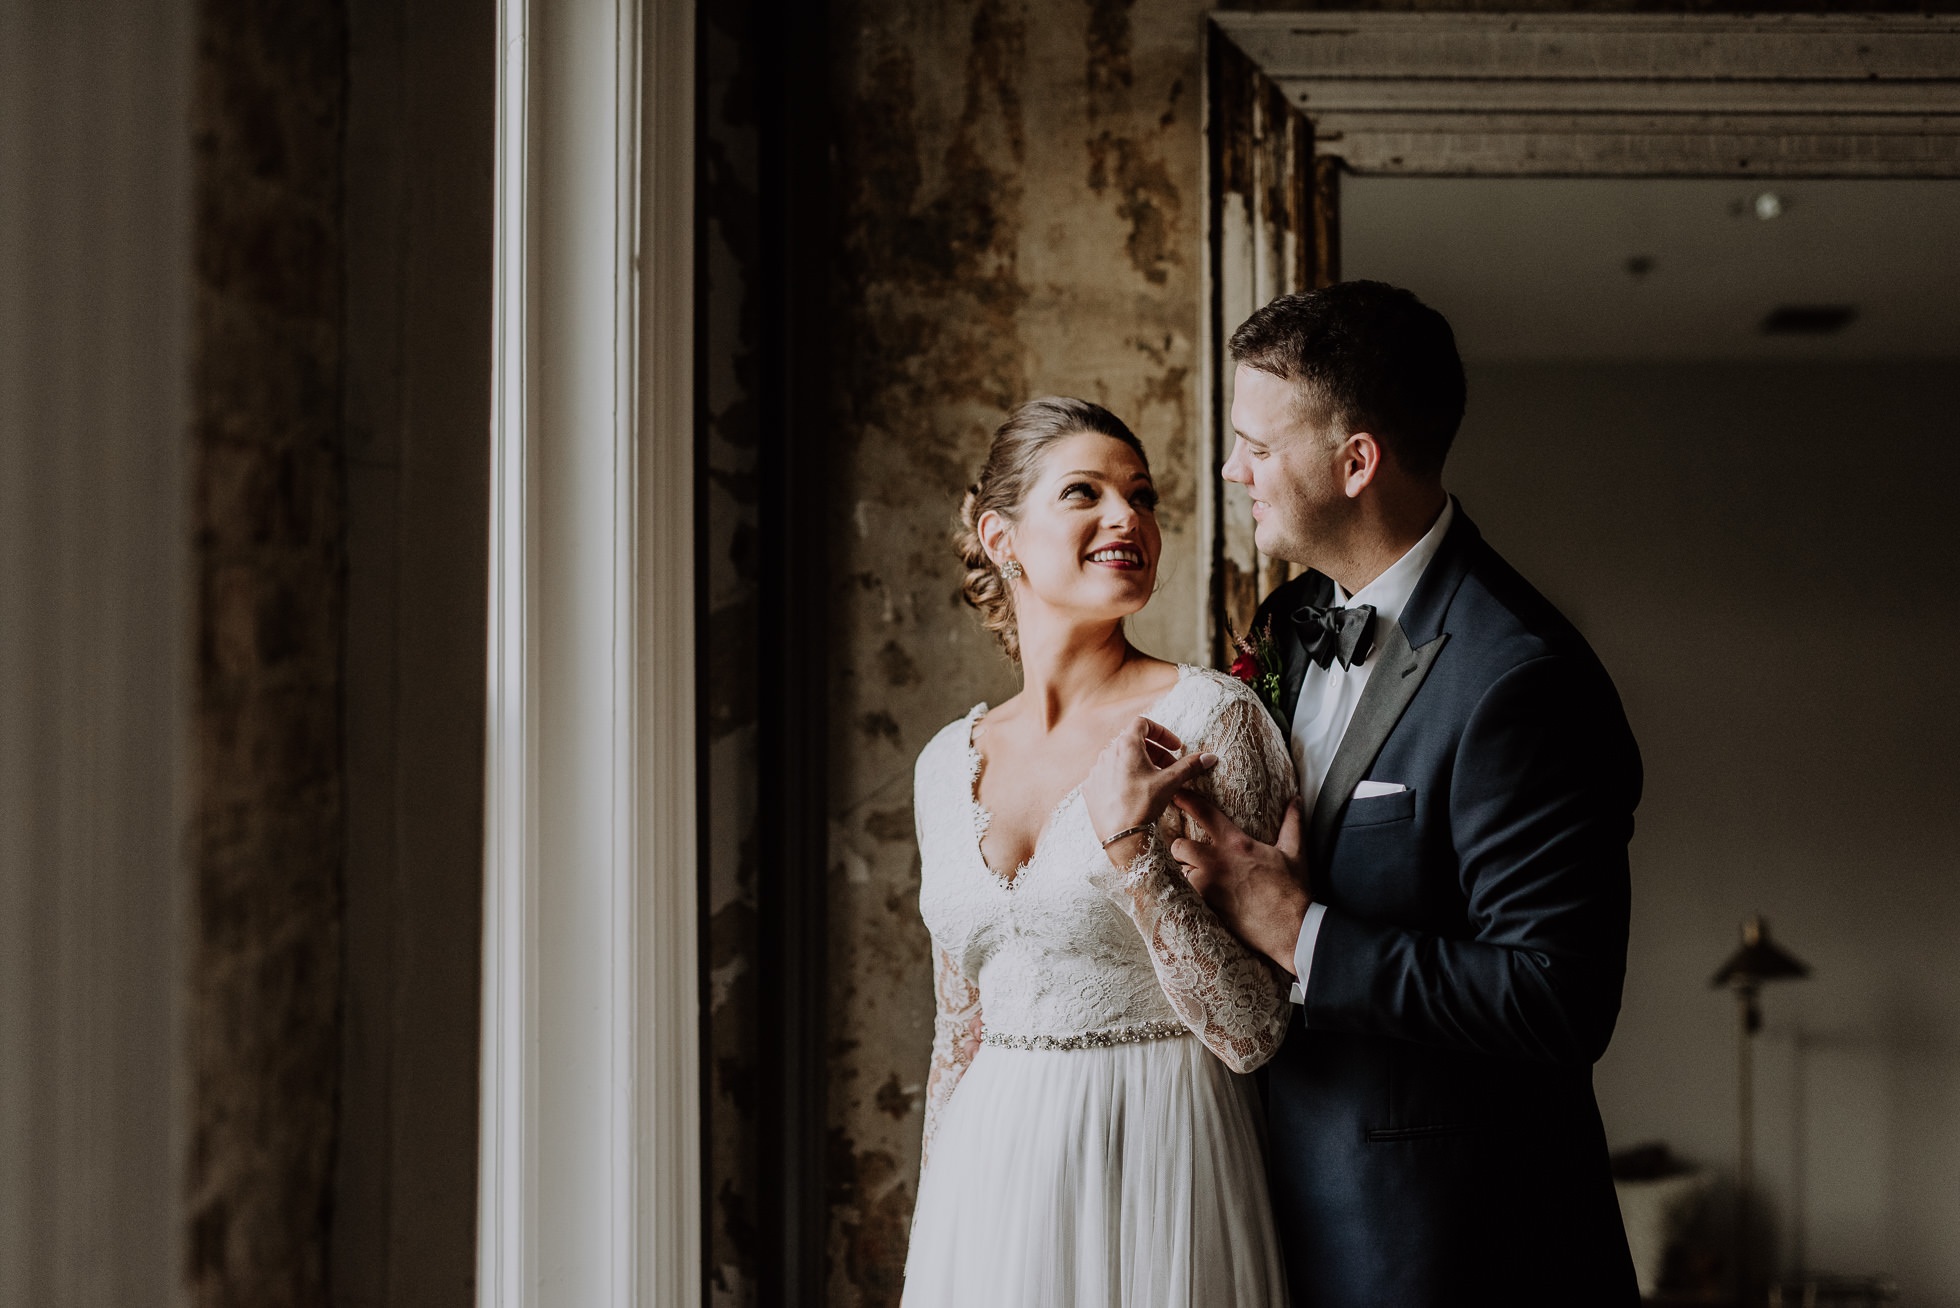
x: 1011, y: 570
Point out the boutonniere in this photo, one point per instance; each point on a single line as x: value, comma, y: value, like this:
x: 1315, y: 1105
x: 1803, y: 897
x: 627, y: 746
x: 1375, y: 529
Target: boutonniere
x: 1256, y: 662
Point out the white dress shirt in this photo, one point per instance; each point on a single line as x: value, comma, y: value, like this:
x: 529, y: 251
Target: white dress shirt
x: 1328, y: 697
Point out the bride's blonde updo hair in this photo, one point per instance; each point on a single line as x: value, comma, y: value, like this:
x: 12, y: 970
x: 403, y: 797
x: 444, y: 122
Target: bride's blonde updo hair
x: 1012, y: 464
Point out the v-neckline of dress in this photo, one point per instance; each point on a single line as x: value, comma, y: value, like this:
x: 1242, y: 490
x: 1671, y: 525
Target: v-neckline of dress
x: 983, y: 818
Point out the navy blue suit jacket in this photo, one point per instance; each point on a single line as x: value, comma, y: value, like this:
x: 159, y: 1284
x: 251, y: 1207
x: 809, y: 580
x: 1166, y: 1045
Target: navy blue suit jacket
x: 1434, y: 1137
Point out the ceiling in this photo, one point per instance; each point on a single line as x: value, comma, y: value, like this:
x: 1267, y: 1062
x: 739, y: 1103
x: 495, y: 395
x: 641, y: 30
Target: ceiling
x: 1552, y: 268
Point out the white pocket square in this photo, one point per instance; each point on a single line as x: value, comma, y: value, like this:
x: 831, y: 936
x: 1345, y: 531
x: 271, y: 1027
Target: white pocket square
x: 1370, y: 789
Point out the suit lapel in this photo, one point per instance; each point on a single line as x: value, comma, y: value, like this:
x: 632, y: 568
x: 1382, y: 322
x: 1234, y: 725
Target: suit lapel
x: 1422, y: 617
x: 1293, y: 671
x: 1398, y: 675
x: 1308, y: 588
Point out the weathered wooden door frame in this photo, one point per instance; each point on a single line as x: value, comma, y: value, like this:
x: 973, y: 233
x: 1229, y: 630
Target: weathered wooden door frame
x: 1295, y: 99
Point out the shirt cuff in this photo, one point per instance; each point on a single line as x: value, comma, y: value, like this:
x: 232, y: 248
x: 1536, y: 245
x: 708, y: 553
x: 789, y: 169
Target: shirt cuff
x: 1303, y: 951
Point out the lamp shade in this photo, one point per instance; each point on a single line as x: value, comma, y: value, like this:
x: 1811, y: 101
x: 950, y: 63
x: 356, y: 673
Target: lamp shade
x: 1758, y: 960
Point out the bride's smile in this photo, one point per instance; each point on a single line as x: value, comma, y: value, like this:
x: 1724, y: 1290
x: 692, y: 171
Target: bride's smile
x: 1120, y: 557
x: 1087, y: 537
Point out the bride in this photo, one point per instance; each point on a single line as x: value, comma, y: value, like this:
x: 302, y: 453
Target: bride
x: 1090, y: 1138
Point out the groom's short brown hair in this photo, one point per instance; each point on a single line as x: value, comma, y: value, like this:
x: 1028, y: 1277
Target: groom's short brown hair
x: 1369, y: 357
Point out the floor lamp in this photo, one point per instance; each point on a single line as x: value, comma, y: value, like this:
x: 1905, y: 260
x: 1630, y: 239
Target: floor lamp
x: 1758, y: 961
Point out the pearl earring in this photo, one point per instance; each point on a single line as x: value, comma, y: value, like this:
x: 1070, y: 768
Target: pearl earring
x: 1011, y: 570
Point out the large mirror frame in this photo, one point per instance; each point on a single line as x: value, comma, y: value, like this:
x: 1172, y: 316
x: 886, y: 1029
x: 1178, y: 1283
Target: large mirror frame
x: 1295, y: 100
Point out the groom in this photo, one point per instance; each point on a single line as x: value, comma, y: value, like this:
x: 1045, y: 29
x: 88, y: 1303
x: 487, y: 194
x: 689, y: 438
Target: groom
x: 1451, y: 892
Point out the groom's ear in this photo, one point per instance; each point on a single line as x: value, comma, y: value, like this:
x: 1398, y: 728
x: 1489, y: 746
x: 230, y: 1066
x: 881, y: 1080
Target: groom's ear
x: 1361, y: 459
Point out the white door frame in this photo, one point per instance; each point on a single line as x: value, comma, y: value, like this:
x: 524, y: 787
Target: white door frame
x: 590, y: 1165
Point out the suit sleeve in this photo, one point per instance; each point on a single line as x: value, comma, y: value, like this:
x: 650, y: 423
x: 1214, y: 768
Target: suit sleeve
x: 1545, y: 779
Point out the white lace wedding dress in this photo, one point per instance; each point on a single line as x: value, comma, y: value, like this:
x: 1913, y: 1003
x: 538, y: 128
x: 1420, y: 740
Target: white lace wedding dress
x: 1090, y: 1138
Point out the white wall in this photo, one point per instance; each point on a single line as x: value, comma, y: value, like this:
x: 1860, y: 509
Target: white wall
x: 95, y: 264
x: 1764, y: 556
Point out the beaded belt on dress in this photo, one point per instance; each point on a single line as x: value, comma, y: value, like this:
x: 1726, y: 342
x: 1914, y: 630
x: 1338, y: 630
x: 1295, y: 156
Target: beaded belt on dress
x: 1117, y: 1035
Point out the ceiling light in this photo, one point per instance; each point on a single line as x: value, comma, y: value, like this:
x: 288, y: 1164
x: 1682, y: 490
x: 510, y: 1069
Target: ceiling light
x: 1769, y: 205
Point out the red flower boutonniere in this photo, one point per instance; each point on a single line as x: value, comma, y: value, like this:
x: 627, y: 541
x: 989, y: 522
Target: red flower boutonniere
x: 1256, y: 662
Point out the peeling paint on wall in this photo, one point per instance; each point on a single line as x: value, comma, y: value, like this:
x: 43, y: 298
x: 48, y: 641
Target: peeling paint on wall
x: 1020, y: 205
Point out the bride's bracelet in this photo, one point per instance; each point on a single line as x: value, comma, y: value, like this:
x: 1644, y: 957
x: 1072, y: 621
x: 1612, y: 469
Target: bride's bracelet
x: 1137, y: 830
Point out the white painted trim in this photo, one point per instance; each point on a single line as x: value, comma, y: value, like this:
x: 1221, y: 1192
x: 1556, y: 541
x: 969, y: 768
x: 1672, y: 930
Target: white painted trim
x: 1799, y: 95
x: 505, y: 1233
x: 590, y: 1181
x: 667, y: 1009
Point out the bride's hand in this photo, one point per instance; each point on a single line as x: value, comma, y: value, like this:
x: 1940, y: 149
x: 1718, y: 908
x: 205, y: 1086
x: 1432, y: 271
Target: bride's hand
x: 1136, y: 776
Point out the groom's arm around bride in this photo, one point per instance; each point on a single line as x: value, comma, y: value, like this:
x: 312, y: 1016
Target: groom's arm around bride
x: 1452, y: 894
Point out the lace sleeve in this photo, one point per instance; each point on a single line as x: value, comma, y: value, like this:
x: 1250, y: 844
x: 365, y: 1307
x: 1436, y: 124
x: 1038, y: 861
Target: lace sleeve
x: 955, y: 1038
x: 1230, y: 997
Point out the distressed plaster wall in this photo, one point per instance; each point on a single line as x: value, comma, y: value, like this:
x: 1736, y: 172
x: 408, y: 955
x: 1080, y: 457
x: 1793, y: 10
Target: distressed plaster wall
x: 1019, y: 187
x: 268, y: 808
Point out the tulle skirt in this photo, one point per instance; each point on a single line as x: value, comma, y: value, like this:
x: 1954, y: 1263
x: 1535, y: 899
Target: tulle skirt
x: 1126, y: 1177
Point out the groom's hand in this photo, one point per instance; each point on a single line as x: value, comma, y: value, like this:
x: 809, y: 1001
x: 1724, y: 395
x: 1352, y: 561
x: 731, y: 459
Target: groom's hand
x: 1258, y: 891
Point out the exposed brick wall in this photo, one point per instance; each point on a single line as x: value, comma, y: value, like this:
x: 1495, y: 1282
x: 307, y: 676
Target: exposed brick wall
x: 270, y: 102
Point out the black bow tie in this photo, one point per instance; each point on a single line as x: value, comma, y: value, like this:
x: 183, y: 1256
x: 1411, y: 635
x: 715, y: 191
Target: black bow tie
x: 1336, y: 633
